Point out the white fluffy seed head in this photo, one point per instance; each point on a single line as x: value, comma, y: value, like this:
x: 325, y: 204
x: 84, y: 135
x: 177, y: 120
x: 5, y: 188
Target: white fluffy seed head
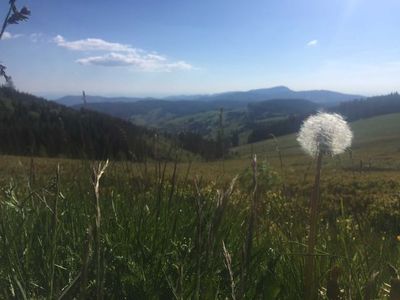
x: 325, y: 133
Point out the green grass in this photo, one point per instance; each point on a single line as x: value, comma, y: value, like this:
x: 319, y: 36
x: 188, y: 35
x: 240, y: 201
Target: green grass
x: 161, y: 233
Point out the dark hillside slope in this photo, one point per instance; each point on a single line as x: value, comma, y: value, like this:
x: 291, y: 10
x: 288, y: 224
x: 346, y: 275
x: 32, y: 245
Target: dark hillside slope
x: 164, y: 109
x: 77, y: 100
x: 271, y: 108
x: 34, y: 126
x: 277, y: 117
x: 370, y: 107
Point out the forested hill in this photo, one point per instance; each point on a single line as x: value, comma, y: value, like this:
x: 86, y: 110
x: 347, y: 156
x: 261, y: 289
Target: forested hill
x: 34, y: 126
x: 271, y: 108
x: 154, y: 113
x: 370, y: 107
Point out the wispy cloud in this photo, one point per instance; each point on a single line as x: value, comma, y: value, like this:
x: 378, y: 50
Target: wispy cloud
x: 120, y: 55
x: 8, y: 36
x: 312, y: 43
x: 91, y: 45
x: 36, y: 37
x: 147, y: 62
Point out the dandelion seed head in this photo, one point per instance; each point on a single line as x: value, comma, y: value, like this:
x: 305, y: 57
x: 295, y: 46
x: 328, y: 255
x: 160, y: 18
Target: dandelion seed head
x: 325, y: 133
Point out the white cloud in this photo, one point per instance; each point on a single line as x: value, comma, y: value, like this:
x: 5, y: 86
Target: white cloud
x: 36, y: 37
x: 91, y: 45
x: 8, y: 36
x: 120, y: 55
x: 312, y: 43
x: 146, y: 62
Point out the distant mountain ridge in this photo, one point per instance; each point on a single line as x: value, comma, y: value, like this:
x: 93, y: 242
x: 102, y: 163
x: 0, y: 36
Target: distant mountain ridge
x: 318, y: 96
x: 282, y: 92
x: 77, y: 100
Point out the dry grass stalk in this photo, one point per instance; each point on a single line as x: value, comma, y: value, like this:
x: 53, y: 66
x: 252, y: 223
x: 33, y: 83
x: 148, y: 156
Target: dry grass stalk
x: 98, y: 172
x: 222, y: 201
x: 228, y: 264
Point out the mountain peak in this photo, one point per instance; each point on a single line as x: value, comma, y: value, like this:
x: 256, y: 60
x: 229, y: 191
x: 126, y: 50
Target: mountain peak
x: 274, y: 89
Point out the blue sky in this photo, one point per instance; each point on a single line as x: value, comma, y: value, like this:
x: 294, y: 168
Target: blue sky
x: 166, y: 47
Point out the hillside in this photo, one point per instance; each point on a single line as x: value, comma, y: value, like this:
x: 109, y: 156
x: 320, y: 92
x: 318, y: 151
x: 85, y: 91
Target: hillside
x: 249, y: 116
x: 155, y: 112
x: 369, y: 107
x: 34, y: 126
x: 271, y: 108
x: 242, y: 123
x: 297, y: 110
x: 375, y: 139
x: 202, y: 117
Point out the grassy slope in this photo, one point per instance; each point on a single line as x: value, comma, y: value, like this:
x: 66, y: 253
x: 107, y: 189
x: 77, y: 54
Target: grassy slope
x: 376, y: 146
x: 375, y: 137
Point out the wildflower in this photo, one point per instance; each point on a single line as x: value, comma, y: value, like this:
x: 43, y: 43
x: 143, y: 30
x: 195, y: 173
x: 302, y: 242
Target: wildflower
x: 326, y: 134
x: 321, y: 134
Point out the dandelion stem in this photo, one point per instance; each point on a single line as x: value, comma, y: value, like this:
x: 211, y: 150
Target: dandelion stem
x: 310, y: 288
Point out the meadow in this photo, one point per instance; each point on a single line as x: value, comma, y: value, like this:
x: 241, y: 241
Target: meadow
x: 204, y: 230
